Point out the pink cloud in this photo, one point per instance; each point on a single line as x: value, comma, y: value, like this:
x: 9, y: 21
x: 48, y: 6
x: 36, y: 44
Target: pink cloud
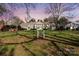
x: 37, y: 13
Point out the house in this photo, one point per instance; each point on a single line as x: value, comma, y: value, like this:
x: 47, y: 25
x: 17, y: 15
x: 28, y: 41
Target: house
x: 72, y: 25
x: 28, y: 25
x: 34, y: 24
x: 39, y: 25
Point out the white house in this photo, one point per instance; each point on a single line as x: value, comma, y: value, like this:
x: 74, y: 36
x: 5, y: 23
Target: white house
x: 37, y: 25
x: 32, y: 25
x: 73, y: 25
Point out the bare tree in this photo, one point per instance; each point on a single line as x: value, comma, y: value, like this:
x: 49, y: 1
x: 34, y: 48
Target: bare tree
x: 28, y: 7
x: 6, y: 12
x: 62, y: 22
x: 2, y: 8
x: 57, y: 9
x: 16, y: 23
x: 1, y: 24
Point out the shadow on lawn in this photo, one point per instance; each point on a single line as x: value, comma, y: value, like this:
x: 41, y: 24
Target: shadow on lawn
x: 8, y: 36
x: 77, y: 41
x: 66, y: 41
x: 61, y: 51
x: 11, y: 53
x: 54, y: 39
x: 26, y: 49
x: 3, y: 51
x: 64, y: 51
x: 2, y: 44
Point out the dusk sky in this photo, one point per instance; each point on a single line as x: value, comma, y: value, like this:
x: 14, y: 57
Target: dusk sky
x: 39, y: 11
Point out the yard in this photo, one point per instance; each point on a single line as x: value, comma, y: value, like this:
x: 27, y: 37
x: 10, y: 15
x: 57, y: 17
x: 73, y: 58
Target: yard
x: 25, y: 43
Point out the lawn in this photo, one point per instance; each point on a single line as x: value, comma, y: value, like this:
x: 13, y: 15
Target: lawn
x: 64, y: 34
x: 54, y: 43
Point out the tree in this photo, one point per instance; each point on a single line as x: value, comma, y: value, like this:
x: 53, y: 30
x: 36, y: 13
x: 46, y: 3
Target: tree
x: 16, y: 21
x: 2, y: 9
x: 46, y: 21
x: 62, y: 22
x: 57, y: 9
x: 28, y: 7
x: 2, y: 23
x: 5, y: 12
x: 8, y: 15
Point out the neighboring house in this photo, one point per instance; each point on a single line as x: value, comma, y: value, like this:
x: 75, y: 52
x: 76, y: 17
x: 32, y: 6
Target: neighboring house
x: 72, y: 25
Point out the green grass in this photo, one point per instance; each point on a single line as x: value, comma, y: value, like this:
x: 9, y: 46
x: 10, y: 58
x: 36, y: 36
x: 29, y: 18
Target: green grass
x: 13, y: 35
x: 37, y: 47
x: 6, y: 33
x: 64, y: 34
x: 5, y: 50
x: 29, y: 33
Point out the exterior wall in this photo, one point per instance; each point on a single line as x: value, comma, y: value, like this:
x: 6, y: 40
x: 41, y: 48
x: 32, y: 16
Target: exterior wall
x: 30, y: 26
x: 39, y: 26
x: 53, y: 28
x: 36, y: 25
x: 72, y: 26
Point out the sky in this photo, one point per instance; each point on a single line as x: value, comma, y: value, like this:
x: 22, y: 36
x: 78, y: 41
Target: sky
x: 39, y: 12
